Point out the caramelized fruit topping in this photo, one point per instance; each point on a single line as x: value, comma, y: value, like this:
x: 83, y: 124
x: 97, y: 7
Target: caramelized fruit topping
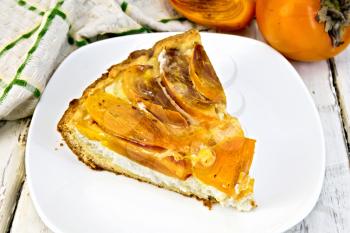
x: 146, y: 156
x: 233, y: 156
x: 144, y: 123
x: 176, y: 79
x: 204, y: 77
x: 124, y: 120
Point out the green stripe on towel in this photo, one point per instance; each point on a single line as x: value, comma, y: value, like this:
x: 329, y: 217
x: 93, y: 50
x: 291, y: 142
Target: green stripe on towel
x: 124, y: 6
x: 30, y: 7
x: 77, y: 43
x: 22, y: 37
x: 82, y: 42
x: 29, y: 87
x: 17, y: 81
x: 128, y: 32
x: 85, y: 41
x: 181, y: 19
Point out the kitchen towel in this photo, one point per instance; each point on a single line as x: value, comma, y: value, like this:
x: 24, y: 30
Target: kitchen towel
x: 36, y: 35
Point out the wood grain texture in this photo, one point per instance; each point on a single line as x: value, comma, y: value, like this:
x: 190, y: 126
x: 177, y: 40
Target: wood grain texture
x: 26, y: 220
x: 12, y: 144
x: 332, y: 212
x: 342, y: 88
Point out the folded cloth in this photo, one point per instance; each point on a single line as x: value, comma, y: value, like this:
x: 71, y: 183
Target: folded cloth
x: 36, y: 35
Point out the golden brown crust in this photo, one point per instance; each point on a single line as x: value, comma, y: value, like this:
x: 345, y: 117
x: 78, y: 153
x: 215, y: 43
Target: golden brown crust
x: 67, y: 128
x: 89, y: 158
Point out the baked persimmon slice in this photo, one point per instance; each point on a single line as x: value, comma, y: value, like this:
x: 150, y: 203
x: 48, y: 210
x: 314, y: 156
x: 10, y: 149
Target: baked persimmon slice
x: 144, y: 155
x: 125, y: 120
x: 203, y: 76
x: 231, y: 157
x: 140, y: 85
x: 176, y: 79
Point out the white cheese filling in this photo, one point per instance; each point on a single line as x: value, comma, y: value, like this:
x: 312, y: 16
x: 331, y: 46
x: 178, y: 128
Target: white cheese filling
x: 189, y: 186
x: 162, y: 60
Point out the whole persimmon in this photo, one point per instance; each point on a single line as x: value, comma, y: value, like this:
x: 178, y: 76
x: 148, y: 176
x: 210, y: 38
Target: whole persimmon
x: 305, y: 30
x: 225, y: 15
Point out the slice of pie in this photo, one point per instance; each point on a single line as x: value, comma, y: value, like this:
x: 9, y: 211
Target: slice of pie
x: 160, y: 117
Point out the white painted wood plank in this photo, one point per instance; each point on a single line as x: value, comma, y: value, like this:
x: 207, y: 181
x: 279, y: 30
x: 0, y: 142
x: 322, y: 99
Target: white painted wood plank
x: 12, y: 143
x: 26, y: 219
x: 332, y: 212
x: 342, y: 82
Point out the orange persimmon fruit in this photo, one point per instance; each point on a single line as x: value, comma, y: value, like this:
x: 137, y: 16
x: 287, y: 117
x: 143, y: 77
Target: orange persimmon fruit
x: 305, y: 30
x: 220, y: 14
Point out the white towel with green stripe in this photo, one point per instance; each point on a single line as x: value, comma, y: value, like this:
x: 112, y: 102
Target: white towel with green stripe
x: 36, y: 35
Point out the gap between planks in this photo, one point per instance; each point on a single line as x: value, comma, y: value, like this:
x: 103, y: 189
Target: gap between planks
x: 13, y: 136
x: 341, y: 82
x: 26, y: 219
x: 331, y: 213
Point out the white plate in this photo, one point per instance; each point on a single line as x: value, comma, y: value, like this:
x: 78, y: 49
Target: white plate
x: 262, y: 88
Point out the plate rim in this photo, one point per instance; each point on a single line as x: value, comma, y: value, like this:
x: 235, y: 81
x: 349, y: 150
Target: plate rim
x: 283, y: 227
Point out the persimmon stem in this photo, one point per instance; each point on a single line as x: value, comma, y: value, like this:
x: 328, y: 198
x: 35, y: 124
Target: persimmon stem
x: 335, y: 14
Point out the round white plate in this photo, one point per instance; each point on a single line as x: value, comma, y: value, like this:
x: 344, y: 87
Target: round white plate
x: 262, y: 89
